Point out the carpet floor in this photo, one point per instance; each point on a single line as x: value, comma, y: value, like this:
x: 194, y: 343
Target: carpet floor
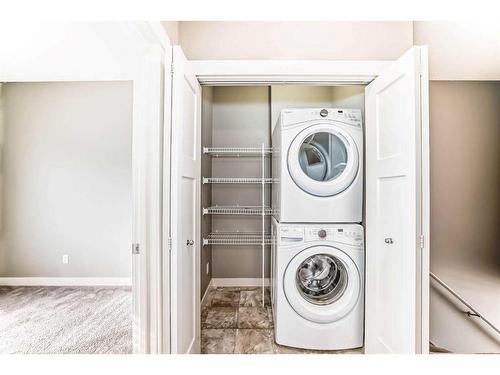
x: 59, y: 320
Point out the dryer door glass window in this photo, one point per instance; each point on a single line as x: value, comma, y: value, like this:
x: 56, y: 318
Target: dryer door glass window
x: 323, y: 160
x: 321, y: 279
x: 323, y: 156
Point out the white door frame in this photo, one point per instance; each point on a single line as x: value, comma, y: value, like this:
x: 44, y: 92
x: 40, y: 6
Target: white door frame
x: 266, y: 72
x: 272, y: 72
x: 134, y: 48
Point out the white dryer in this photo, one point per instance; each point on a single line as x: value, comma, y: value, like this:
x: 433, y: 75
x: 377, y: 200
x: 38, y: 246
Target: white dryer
x: 317, y: 285
x: 318, y: 166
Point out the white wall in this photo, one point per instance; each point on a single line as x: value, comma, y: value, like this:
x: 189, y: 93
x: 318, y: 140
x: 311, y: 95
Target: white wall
x: 67, y: 179
x: 172, y: 30
x: 62, y: 50
x: 202, y: 40
x: 466, y: 50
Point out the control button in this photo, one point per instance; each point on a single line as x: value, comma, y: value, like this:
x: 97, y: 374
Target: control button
x: 323, y: 113
x: 322, y: 233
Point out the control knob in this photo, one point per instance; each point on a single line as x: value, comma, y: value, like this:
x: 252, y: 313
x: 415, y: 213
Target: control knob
x: 322, y: 233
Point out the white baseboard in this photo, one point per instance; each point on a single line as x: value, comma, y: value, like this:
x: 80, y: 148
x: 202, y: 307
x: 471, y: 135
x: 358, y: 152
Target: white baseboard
x: 66, y: 281
x: 238, y: 282
x: 210, y: 285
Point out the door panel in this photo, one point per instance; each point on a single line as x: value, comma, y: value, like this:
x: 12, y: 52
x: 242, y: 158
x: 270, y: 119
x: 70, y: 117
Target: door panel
x: 185, y: 195
x: 186, y: 259
x: 395, y: 266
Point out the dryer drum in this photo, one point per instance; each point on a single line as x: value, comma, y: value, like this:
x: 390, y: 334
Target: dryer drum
x: 323, y: 156
x: 321, y: 279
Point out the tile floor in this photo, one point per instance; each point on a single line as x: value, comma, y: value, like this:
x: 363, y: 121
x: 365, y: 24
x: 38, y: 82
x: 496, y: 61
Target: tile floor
x: 233, y: 321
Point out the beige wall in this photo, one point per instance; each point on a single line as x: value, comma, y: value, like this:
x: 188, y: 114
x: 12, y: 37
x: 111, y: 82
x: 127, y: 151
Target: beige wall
x: 295, y: 40
x: 465, y: 173
x: 465, y: 211
x: 466, y: 50
x: 461, y: 50
x: 66, y: 179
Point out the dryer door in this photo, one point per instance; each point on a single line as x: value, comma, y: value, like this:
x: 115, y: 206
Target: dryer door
x: 323, y: 160
x: 322, y: 284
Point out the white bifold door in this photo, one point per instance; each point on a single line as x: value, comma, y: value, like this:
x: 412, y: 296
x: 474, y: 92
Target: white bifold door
x: 397, y: 208
x: 184, y: 203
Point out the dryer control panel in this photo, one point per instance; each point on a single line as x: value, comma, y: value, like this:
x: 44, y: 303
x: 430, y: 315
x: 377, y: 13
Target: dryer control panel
x: 344, y: 115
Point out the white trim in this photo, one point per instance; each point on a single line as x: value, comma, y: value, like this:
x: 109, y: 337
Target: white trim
x: 425, y: 191
x: 238, y: 282
x: 66, y: 281
x: 237, y: 72
x: 154, y: 33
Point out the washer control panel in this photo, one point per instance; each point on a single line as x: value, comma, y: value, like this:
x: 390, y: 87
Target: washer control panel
x: 291, y: 234
x: 319, y: 234
x: 351, y: 236
x: 347, y: 234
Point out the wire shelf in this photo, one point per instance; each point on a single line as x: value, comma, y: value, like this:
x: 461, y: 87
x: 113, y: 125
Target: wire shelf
x: 237, y: 210
x: 237, y: 151
x: 237, y: 238
x: 237, y: 180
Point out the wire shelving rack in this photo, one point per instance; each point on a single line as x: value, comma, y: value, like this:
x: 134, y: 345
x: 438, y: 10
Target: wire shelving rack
x: 237, y: 210
x: 261, y: 238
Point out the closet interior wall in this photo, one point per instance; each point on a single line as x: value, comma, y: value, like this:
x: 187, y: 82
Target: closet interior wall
x: 240, y: 118
x: 206, y: 189
x: 244, y: 116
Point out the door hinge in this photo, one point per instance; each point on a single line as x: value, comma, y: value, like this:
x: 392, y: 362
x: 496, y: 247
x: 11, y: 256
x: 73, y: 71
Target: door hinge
x: 169, y: 244
x: 172, y: 68
x: 422, y: 242
x: 136, y: 249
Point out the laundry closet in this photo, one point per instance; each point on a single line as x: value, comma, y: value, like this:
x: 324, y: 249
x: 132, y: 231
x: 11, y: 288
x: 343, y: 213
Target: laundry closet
x: 222, y: 180
x: 237, y: 123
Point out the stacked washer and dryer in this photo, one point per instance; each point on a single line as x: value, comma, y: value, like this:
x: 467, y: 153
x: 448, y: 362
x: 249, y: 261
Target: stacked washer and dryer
x: 317, y: 260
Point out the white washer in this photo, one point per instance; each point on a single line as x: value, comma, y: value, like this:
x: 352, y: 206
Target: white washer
x: 317, y: 285
x: 318, y: 166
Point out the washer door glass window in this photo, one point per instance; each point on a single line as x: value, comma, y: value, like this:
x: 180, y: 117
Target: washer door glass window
x: 322, y: 284
x: 322, y: 279
x: 323, y: 160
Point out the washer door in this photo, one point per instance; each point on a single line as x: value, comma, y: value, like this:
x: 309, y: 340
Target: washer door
x: 322, y: 284
x: 323, y: 160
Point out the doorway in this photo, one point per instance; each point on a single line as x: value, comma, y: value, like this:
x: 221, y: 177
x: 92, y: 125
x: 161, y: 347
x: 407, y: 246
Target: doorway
x: 67, y: 217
